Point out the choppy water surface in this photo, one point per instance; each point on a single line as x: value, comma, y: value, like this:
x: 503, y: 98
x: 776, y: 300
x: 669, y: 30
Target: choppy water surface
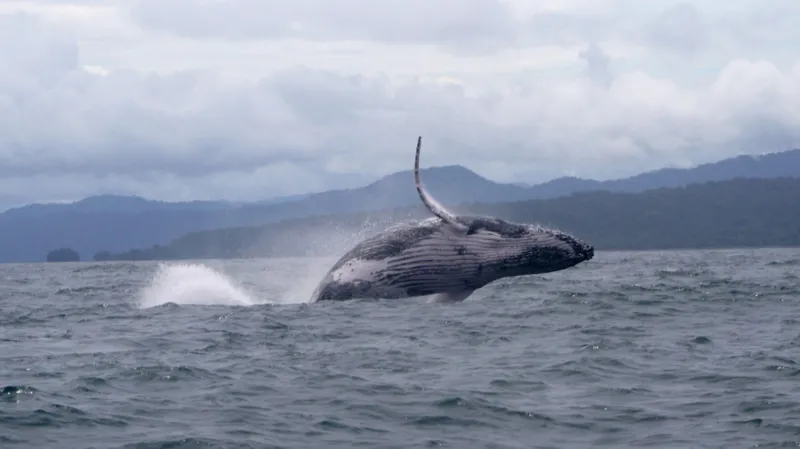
x: 695, y: 349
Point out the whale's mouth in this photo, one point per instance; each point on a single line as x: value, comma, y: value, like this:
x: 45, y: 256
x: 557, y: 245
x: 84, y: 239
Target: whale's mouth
x: 582, y: 251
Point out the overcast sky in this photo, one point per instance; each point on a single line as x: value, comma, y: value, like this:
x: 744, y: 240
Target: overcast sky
x: 250, y: 99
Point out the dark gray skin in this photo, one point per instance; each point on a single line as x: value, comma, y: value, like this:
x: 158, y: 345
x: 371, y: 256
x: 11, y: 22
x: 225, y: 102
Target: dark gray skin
x: 447, y: 255
x: 412, y: 267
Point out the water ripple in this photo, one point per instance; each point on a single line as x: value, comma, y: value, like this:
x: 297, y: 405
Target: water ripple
x: 656, y: 349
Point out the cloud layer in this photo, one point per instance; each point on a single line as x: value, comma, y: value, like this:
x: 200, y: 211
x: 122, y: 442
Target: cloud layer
x: 246, y: 99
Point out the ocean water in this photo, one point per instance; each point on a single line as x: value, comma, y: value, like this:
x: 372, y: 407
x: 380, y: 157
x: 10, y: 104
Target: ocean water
x: 682, y: 349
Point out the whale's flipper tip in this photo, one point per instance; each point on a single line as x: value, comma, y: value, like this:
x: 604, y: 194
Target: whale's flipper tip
x: 416, y: 162
x: 431, y: 203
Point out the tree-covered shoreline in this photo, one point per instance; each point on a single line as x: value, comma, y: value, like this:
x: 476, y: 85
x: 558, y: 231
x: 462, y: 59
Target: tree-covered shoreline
x: 739, y: 213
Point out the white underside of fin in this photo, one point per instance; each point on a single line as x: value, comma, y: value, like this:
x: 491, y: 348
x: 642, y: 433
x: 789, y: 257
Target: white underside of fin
x: 452, y: 296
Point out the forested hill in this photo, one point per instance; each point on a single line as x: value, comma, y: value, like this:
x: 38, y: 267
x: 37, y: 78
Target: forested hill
x: 735, y: 213
x: 117, y: 223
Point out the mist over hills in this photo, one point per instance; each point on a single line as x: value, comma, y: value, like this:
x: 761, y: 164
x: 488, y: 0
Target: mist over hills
x: 120, y: 223
x: 719, y: 214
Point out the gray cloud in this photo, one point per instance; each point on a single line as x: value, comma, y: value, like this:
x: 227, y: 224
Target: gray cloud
x: 679, y: 27
x: 28, y: 47
x: 469, y: 26
x: 597, y: 65
x: 460, y: 24
x: 65, y: 132
x: 569, y: 28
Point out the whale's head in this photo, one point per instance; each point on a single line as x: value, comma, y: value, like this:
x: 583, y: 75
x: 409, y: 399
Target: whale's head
x: 545, y: 249
x: 519, y: 249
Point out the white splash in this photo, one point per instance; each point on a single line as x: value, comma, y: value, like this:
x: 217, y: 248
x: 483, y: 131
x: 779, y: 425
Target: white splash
x: 305, y: 282
x: 293, y: 282
x: 193, y: 284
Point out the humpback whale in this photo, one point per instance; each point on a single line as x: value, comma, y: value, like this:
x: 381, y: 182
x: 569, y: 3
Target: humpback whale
x: 447, y: 255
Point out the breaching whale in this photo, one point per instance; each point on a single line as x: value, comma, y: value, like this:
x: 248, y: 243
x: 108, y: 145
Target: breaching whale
x: 448, y: 255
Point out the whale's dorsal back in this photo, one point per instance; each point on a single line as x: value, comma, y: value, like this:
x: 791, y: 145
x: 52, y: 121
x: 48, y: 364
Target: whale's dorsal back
x: 430, y: 202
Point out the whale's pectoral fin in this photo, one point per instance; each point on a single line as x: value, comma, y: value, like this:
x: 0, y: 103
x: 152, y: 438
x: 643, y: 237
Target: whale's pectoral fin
x: 456, y: 296
x: 431, y: 203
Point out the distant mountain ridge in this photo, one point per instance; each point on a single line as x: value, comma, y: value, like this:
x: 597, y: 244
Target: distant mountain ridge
x: 769, y: 165
x: 735, y: 213
x: 113, y: 204
x: 119, y: 223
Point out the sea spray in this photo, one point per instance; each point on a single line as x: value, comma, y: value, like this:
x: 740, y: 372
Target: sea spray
x: 186, y: 284
x: 199, y: 284
x: 304, y: 280
x: 333, y: 241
